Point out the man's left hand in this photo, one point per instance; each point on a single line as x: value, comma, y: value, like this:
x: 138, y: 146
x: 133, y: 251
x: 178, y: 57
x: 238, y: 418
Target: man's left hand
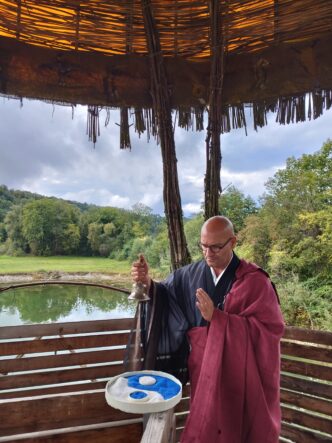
x: 204, y: 304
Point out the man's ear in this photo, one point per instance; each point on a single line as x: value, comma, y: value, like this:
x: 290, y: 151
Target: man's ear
x: 233, y: 242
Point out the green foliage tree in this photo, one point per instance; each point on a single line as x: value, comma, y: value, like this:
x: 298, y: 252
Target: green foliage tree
x: 291, y: 237
x: 3, y: 233
x: 50, y: 227
x: 10, y: 198
x: 234, y: 205
x: 15, y: 242
x: 158, y: 252
x: 299, y: 203
x: 254, y: 241
x: 6, y: 201
x: 192, y: 229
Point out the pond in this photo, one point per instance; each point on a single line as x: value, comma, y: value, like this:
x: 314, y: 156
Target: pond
x: 62, y: 303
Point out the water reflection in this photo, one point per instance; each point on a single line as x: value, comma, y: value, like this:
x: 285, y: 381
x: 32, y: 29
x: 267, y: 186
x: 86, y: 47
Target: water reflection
x: 58, y: 303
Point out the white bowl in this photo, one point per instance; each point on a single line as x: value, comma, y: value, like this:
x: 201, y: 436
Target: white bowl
x: 141, y: 407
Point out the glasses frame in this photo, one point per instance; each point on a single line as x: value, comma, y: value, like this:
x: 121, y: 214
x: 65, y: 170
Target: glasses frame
x: 215, y: 249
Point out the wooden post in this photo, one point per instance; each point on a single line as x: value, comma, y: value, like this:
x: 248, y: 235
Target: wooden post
x: 160, y: 428
x: 163, y: 114
x: 213, y: 152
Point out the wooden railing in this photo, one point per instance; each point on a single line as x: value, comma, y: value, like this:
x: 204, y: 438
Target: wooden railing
x: 306, y: 385
x: 53, y: 376
x: 52, y: 387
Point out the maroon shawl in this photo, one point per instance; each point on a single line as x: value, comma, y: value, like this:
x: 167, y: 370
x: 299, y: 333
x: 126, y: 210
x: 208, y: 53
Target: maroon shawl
x: 234, y: 366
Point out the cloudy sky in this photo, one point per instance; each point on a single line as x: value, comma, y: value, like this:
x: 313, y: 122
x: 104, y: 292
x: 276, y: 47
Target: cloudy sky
x: 44, y: 150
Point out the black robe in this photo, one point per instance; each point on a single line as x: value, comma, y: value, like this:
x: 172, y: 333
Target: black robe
x: 172, y: 311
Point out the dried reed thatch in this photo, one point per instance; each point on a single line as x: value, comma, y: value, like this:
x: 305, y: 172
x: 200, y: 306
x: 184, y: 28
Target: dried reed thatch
x: 110, y: 38
x: 184, y: 26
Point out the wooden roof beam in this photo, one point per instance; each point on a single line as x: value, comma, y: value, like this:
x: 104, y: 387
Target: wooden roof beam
x: 86, y: 78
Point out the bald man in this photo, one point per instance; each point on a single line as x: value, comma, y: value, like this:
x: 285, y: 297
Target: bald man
x: 220, y: 319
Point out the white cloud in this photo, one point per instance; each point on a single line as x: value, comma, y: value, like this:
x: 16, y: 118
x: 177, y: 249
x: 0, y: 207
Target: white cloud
x: 192, y: 208
x: 195, y: 180
x: 44, y: 150
x: 250, y: 183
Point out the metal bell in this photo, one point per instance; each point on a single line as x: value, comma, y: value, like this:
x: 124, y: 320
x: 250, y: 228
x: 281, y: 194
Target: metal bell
x: 138, y: 292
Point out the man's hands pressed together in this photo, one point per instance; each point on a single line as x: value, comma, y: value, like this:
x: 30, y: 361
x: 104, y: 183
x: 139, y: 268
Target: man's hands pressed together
x: 204, y: 304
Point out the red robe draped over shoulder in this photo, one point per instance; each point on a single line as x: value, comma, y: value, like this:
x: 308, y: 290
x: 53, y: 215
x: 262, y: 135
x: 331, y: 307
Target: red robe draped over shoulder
x: 234, y: 366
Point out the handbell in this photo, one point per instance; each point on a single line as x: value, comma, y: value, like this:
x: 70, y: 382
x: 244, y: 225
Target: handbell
x: 138, y: 292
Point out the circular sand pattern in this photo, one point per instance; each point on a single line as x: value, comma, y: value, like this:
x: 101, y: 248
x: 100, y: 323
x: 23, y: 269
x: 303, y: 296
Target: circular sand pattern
x: 143, y: 392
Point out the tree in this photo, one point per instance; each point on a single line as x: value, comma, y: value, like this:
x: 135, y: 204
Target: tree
x: 254, y: 240
x: 298, y: 204
x: 50, y: 227
x: 303, y: 186
x: 234, y: 205
x: 141, y: 209
x: 192, y: 229
x: 95, y: 231
x: 16, y: 243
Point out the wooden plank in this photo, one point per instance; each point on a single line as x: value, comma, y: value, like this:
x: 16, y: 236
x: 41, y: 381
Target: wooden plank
x: 60, y: 360
x: 63, y: 343
x: 58, y: 411
x: 301, y: 400
x: 127, y: 433
x: 307, y: 369
x: 286, y: 397
x: 186, y: 390
x: 178, y: 433
x: 77, y: 327
x: 49, y: 329
x: 67, y: 388
x: 321, y: 354
x: 310, y: 421
x: 302, y: 435
x: 304, y: 385
x: 183, y: 405
x: 61, y: 376
x: 181, y: 419
x: 160, y: 428
x: 308, y: 335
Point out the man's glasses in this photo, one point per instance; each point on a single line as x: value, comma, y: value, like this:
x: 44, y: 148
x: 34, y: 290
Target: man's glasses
x: 213, y: 248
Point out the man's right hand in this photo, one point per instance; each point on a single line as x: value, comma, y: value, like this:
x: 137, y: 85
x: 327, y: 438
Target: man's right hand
x: 140, y: 271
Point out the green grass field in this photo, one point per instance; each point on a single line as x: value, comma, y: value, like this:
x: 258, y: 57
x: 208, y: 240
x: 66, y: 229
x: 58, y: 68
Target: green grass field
x: 17, y: 265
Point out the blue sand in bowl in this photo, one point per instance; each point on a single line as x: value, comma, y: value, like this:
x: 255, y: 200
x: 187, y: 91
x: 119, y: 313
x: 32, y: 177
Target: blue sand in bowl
x: 137, y: 395
x: 164, y: 386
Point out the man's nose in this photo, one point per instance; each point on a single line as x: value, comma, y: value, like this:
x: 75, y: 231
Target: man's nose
x: 209, y: 252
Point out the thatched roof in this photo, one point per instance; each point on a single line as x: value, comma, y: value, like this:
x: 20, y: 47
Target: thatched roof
x: 95, y: 52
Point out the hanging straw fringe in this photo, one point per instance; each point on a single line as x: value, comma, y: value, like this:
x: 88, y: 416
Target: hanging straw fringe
x: 140, y: 124
x: 93, y: 129
x: 151, y: 124
x: 287, y: 109
x: 124, y: 129
x: 191, y: 118
x: 199, y: 118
